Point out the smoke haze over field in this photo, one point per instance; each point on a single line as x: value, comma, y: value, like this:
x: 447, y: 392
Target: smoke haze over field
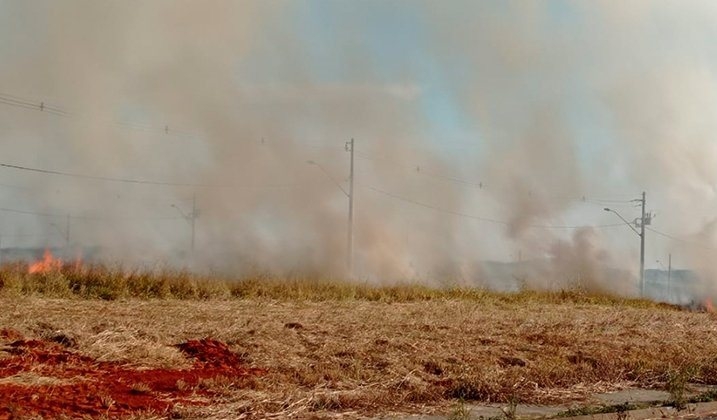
x: 484, y: 131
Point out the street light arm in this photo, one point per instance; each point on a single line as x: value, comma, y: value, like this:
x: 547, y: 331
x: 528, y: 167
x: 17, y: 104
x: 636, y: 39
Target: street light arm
x: 60, y: 231
x: 623, y: 219
x: 311, y: 162
x: 185, y: 216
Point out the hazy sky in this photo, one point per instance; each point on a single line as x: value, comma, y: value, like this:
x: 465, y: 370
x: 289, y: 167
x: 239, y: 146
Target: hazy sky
x: 510, y: 111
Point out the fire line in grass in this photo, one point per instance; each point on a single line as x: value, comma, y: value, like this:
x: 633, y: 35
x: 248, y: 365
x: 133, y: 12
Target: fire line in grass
x: 49, y: 264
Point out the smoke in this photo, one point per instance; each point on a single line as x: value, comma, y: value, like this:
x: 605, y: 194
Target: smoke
x: 532, y: 115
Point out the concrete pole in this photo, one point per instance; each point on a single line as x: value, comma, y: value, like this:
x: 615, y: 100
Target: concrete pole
x: 194, y: 217
x: 350, y: 236
x: 642, y: 248
x: 669, y: 277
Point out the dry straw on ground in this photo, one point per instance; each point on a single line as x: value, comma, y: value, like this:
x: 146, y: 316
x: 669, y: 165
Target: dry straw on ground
x: 334, y: 347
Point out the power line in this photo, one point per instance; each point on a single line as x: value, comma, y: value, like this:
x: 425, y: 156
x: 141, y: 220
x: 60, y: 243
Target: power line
x: 674, y: 238
x: 19, y: 105
x: 27, y: 101
x: 606, y: 201
x: 82, y: 217
x: 428, y: 206
x: 110, y: 196
x: 137, y: 181
x: 482, y: 185
x: 100, y: 178
x: 485, y: 219
x: 16, y: 101
x: 22, y: 235
x: 420, y: 171
x: 34, y: 213
x: 29, y: 104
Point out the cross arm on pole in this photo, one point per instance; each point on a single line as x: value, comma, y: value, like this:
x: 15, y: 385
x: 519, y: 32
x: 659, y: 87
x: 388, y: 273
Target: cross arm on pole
x: 184, y: 215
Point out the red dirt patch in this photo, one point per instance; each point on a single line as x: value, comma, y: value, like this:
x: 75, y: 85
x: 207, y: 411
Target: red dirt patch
x: 10, y: 334
x: 87, y: 387
x: 210, y: 352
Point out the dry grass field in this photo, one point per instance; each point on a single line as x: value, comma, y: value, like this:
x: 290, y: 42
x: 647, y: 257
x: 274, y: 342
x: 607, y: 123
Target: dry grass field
x: 328, y: 349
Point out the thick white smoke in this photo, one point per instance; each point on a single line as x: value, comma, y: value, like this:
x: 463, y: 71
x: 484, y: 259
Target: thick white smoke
x: 559, y: 102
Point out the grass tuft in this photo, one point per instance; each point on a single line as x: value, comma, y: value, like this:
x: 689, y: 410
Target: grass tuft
x: 113, y: 283
x: 677, y: 382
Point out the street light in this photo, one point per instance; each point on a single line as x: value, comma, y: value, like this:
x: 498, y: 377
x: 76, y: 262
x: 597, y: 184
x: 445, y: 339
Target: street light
x: 311, y: 162
x: 191, y: 217
x: 623, y: 219
x: 669, y: 275
x: 641, y: 234
x: 65, y: 233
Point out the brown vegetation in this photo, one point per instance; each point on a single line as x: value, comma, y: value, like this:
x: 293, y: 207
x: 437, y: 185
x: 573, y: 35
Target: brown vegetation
x: 331, y: 347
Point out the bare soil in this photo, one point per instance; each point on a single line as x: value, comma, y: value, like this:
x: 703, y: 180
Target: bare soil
x: 41, y: 378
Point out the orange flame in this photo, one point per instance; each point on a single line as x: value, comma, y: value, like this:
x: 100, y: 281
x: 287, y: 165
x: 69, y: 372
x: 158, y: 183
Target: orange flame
x: 708, y: 305
x: 48, y: 264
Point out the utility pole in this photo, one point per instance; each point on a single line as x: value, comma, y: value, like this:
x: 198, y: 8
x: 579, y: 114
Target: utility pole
x: 350, y: 236
x: 67, y: 230
x: 64, y: 232
x: 642, y: 221
x: 194, y: 216
x: 350, y: 195
x: 642, y: 247
x: 669, y: 277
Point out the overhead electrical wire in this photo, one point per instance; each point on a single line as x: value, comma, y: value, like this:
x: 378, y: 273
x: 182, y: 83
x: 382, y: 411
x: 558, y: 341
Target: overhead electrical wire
x: 138, y: 181
x: 479, y: 185
x: 418, y: 170
x: 16, y: 101
x: 100, y: 178
x: 19, y: 102
x: 428, y: 206
x: 34, y: 213
x: 675, y: 238
x: 23, y: 235
x: 83, y: 217
x: 484, y: 219
x: 19, y: 105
